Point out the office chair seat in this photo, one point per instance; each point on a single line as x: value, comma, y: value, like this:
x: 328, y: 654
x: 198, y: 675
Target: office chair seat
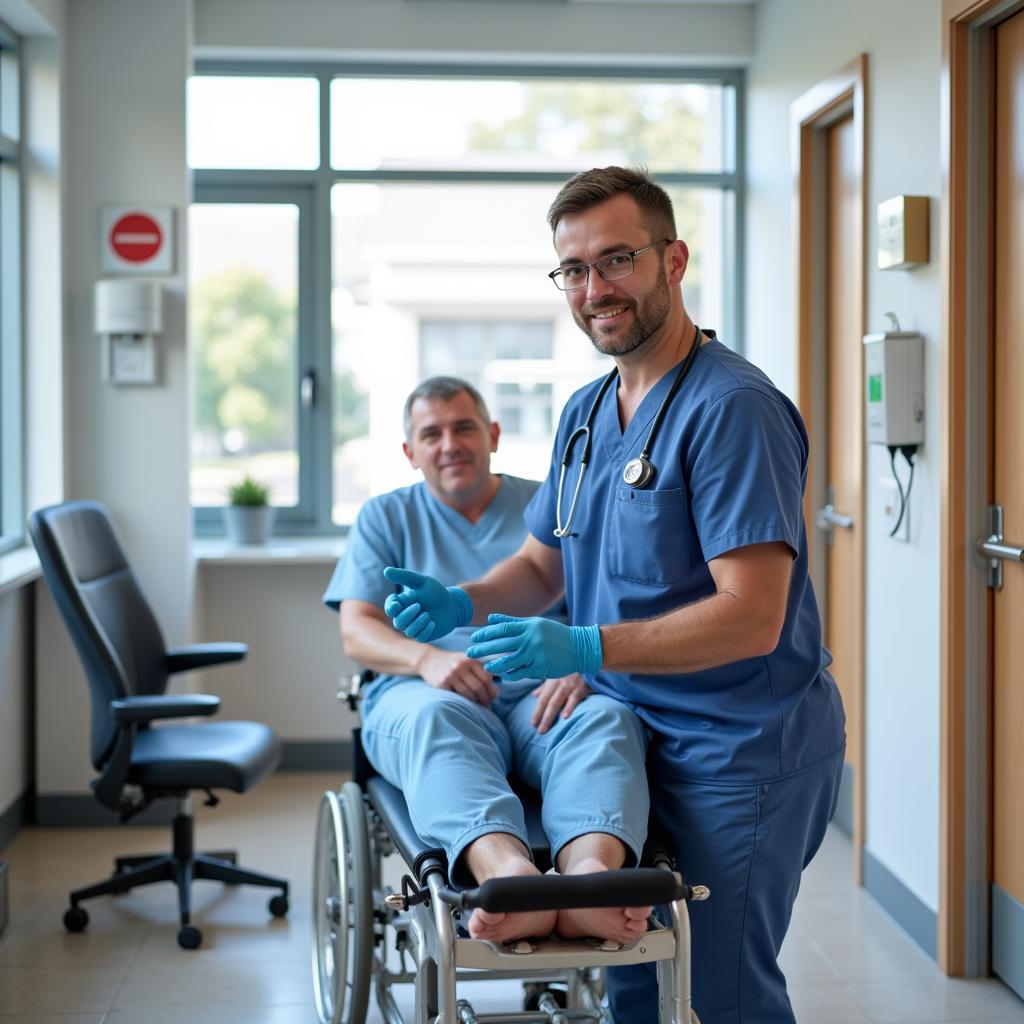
x: 214, y: 755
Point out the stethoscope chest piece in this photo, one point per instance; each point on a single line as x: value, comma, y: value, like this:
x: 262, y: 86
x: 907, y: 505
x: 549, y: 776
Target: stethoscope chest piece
x: 637, y: 472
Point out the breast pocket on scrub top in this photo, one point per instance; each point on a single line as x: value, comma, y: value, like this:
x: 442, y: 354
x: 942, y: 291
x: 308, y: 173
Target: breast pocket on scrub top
x: 648, y: 536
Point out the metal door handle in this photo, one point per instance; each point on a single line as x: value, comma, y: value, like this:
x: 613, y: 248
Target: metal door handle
x: 995, y: 549
x: 829, y: 517
x: 992, y: 548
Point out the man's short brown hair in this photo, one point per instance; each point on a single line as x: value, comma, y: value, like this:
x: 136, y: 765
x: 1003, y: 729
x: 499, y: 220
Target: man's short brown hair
x: 588, y: 188
x: 442, y: 389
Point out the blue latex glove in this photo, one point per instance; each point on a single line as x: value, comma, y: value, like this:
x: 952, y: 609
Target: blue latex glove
x: 426, y: 610
x: 536, y: 648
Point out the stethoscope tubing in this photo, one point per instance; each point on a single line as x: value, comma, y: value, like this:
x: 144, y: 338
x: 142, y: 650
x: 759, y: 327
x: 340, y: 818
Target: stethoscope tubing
x: 584, y: 431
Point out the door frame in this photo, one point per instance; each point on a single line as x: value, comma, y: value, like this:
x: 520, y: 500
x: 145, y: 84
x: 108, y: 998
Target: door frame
x: 843, y: 93
x: 965, y: 400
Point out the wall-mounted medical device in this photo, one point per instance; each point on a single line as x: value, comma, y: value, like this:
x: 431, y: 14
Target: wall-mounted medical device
x: 129, y: 318
x: 894, y: 386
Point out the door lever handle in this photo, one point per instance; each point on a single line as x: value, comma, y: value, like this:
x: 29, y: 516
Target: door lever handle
x: 829, y: 517
x: 994, y: 548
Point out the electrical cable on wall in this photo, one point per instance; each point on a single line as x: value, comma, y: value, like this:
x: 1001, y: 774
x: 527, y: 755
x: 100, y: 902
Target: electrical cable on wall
x: 908, y: 451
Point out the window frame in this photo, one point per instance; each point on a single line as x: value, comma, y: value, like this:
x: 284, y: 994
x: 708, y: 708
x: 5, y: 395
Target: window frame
x: 316, y: 440
x: 12, y: 346
x: 209, y: 519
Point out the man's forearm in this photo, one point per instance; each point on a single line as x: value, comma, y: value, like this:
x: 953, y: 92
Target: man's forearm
x: 516, y: 586
x: 377, y: 646
x: 716, y: 631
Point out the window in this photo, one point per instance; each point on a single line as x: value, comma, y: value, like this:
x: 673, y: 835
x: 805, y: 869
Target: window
x: 11, y: 451
x: 369, y: 228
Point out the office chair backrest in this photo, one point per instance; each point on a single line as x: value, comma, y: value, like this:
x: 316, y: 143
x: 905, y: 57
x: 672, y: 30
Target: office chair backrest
x: 99, y: 599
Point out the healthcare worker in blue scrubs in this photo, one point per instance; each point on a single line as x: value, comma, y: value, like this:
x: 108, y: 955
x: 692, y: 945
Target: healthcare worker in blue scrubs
x: 672, y: 518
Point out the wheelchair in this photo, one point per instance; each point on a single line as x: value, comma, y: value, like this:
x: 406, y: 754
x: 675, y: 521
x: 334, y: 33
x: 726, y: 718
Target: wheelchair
x: 367, y: 937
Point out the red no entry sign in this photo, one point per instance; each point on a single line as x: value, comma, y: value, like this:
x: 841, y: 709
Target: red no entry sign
x: 136, y: 237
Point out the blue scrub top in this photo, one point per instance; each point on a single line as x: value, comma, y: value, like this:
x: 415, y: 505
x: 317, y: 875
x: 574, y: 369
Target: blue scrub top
x: 730, y: 460
x: 411, y: 528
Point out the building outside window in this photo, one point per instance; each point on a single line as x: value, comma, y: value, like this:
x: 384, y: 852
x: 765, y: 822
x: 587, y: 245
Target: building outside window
x: 355, y: 232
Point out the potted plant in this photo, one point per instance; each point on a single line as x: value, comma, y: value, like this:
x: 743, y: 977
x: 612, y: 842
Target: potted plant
x: 247, y: 516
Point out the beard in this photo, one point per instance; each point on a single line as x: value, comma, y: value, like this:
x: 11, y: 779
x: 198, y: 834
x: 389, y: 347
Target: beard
x: 649, y: 316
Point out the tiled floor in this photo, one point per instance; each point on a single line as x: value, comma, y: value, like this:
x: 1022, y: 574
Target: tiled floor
x: 846, y: 961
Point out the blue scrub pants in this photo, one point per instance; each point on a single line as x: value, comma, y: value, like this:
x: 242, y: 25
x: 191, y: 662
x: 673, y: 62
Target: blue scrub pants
x: 451, y: 757
x: 749, y: 844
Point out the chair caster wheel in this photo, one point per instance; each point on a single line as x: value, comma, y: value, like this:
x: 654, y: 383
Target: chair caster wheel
x: 75, y: 919
x: 189, y: 937
x: 278, y: 905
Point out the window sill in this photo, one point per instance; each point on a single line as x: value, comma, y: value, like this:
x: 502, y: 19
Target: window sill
x: 277, y: 551
x: 19, y: 568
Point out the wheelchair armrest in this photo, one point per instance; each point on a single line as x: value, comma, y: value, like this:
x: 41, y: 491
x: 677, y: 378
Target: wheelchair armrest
x: 183, y: 659
x: 128, y: 710
x: 630, y: 887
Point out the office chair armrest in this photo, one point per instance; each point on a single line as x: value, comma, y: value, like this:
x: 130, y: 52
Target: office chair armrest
x: 167, y: 705
x: 184, y: 659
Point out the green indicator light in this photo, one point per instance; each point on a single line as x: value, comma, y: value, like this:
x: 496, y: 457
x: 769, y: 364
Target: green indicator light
x: 875, y: 387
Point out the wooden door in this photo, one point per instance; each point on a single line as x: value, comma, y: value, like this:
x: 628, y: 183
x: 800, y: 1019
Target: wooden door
x: 842, y: 584
x: 1007, y: 618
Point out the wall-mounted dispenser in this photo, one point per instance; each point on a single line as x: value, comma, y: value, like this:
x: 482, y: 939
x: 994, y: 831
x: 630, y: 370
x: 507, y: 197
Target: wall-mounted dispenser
x: 894, y: 388
x: 129, y: 317
x: 894, y: 384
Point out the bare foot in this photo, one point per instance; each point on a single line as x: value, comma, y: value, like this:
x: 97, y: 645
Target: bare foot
x: 509, y: 927
x: 619, y: 924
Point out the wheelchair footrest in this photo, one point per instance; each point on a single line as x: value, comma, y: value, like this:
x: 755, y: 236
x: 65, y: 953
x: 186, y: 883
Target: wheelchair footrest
x: 631, y: 887
x: 555, y: 953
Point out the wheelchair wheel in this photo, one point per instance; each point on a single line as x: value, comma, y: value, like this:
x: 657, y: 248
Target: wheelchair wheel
x: 342, y: 909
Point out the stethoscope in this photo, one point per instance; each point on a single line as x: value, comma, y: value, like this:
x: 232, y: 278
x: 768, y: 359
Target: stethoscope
x: 637, y: 472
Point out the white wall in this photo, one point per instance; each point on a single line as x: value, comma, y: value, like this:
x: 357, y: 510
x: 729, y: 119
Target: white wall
x: 455, y: 29
x: 800, y: 42
x: 124, y: 142
x: 290, y: 678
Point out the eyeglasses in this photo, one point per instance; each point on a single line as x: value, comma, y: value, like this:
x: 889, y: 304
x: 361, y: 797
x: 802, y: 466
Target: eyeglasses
x: 609, y: 268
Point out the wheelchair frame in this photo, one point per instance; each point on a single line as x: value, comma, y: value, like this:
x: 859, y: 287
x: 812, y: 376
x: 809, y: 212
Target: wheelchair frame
x: 356, y: 921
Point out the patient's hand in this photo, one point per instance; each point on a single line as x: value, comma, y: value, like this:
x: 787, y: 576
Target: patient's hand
x: 450, y: 670
x: 556, y: 696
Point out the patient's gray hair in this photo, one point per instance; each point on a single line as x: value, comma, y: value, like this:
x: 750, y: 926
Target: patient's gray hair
x: 442, y: 389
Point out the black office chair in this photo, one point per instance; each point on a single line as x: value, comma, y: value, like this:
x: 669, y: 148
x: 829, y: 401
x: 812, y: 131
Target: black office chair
x: 127, y: 666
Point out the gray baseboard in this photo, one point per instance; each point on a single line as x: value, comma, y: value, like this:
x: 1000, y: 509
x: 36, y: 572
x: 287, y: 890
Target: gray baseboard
x: 1008, y: 939
x: 843, y: 818
x: 18, y: 814
x: 316, y: 756
x: 918, y: 920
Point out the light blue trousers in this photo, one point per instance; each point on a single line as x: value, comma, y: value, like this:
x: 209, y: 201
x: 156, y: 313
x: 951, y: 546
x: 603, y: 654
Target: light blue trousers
x: 451, y: 757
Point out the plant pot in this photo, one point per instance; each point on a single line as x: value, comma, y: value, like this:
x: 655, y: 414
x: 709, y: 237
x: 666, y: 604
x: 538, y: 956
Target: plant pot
x: 248, y: 524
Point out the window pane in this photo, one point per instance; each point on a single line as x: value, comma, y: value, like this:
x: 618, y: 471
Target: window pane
x: 243, y: 289
x: 447, y: 279
x: 532, y: 124
x: 251, y: 122
x: 444, y: 279
x: 9, y: 117
x: 494, y: 360
x: 700, y: 222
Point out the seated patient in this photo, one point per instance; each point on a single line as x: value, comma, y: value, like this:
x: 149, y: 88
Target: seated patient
x: 437, y: 724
